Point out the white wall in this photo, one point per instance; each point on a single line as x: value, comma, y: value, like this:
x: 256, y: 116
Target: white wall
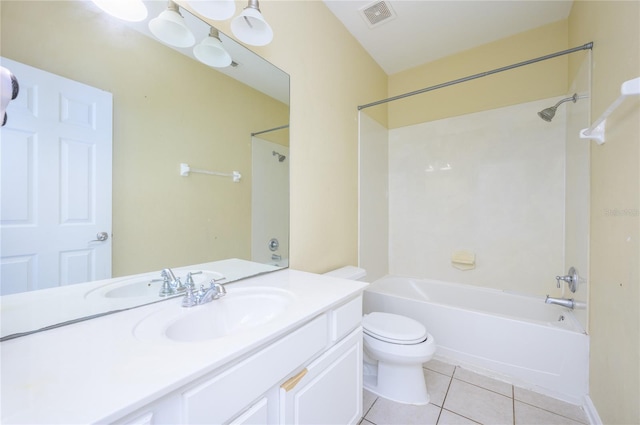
x: 373, y: 236
x: 490, y: 182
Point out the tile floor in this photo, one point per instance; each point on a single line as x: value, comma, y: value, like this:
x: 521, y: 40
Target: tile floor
x: 459, y: 396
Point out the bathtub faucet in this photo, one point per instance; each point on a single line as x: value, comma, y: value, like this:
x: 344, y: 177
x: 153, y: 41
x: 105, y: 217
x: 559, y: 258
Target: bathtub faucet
x: 564, y: 302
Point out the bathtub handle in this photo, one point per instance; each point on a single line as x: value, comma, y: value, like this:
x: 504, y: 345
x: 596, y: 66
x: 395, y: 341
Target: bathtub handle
x: 572, y: 279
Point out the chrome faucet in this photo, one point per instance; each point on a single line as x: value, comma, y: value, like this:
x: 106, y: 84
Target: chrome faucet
x: 190, y: 283
x: 203, y: 296
x: 564, y: 302
x: 171, y: 284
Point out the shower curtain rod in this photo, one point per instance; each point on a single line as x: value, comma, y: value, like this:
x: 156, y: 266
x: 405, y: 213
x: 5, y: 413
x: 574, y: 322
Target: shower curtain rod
x: 271, y: 129
x: 587, y: 46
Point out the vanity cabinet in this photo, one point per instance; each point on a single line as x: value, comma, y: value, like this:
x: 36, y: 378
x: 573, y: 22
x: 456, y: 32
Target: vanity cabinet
x: 313, y: 374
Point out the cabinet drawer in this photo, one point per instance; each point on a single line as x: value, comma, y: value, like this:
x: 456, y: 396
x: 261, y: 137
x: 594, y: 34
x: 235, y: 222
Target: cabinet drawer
x: 222, y: 397
x: 346, y: 318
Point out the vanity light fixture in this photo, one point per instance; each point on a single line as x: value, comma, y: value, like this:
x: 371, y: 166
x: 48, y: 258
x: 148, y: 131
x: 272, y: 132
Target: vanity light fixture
x: 250, y: 26
x: 127, y: 10
x: 171, y: 29
x: 210, y: 51
x: 218, y: 10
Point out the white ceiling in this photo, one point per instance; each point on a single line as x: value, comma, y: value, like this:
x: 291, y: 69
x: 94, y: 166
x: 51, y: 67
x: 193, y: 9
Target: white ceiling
x: 426, y: 30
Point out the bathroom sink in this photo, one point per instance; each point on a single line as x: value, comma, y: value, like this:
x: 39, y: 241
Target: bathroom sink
x: 241, y: 309
x: 135, y: 288
x: 147, y: 287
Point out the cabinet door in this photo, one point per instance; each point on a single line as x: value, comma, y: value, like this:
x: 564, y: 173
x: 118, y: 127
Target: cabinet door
x: 258, y: 414
x: 330, y: 392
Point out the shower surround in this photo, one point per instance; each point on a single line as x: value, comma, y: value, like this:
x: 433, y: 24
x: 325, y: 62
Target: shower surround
x: 491, y: 182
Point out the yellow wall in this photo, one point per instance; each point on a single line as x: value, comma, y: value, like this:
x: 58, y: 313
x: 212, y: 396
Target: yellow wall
x: 331, y: 74
x: 160, y: 219
x: 614, y: 313
x: 533, y: 82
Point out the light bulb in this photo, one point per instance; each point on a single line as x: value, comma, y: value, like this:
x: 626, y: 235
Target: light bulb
x: 128, y: 10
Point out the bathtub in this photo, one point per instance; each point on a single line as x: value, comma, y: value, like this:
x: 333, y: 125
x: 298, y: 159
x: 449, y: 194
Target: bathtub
x: 515, y: 338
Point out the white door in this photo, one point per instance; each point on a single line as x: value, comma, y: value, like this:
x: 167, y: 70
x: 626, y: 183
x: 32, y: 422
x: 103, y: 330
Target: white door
x: 56, y: 183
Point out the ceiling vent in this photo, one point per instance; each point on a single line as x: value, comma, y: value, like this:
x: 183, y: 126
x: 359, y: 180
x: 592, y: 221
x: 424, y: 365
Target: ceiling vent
x: 377, y: 13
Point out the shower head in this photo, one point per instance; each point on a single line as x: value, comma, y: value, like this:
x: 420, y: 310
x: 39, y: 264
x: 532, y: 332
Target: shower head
x: 280, y: 157
x: 548, y: 113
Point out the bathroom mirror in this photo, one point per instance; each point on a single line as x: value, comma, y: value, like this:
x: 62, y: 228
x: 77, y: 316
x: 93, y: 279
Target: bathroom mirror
x: 168, y: 109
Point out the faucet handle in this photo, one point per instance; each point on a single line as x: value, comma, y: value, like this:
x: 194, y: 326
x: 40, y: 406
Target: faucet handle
x: 179, y: 287
x: 558, y: 279
x: 166, y: 289
x: 202, y: 292
x: 572, y: 279
x: 190, y: 278
x: 190, y: 299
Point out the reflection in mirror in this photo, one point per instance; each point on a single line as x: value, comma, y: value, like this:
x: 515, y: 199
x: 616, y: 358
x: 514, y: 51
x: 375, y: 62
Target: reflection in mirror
x: 168, y: 109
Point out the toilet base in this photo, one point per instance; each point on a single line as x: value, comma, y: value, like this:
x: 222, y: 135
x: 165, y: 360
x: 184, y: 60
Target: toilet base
x: 400, y: 383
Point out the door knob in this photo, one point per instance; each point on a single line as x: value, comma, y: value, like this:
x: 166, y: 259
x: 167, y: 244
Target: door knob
x: 101, y: 237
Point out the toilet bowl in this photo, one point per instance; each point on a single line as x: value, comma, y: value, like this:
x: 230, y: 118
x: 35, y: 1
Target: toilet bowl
x: 395, y: 347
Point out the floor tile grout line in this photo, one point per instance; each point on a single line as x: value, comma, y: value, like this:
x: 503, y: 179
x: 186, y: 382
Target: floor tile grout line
x: 446, y: 393
x: 438, y: 372
x: 462, y: 416
x: 439, y: 414
x: 549, y: 411
x: 484, y: 388
x: 513, y: 404
x: 364, y: 416
x: 444, y: 399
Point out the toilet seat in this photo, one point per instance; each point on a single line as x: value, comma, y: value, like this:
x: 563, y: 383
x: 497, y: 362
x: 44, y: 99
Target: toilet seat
x: 393, y: 328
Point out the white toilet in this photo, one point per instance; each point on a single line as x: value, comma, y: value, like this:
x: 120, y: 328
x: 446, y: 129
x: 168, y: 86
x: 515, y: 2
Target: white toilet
x: 395, y: 347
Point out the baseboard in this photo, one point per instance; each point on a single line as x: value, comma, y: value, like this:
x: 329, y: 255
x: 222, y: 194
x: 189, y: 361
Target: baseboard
x: 592, y: 413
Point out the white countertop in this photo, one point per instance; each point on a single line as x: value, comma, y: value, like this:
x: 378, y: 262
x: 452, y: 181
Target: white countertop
x: 33, y: 310
x: 99, y: 370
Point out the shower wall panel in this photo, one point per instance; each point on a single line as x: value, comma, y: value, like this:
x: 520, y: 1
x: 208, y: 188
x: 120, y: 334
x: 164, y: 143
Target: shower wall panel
x: 490, y: 182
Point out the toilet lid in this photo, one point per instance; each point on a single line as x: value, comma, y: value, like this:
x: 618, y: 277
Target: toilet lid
x: 393, y: 328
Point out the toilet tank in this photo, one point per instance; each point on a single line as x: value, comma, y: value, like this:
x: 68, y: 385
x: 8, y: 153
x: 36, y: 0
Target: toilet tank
x: 348, y: 272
